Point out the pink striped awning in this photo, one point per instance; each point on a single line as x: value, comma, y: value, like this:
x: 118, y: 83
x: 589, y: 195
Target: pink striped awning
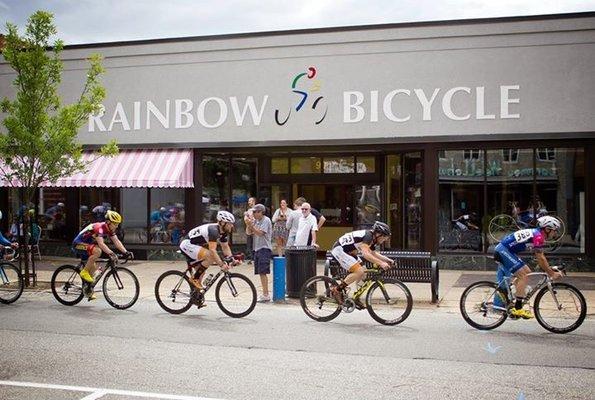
x: 131, y: 168
x: 135, y: 168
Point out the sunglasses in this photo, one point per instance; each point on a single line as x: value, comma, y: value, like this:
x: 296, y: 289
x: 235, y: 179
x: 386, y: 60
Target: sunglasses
x: 305, y: 209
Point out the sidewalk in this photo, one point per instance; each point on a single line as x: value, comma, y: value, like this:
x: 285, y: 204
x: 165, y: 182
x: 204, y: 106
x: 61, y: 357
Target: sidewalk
x: 452, y: 282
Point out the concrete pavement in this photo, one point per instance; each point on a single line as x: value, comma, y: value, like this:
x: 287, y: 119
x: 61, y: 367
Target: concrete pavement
x: 452, y: 282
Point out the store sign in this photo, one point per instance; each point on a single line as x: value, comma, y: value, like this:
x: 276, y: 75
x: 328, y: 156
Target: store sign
x: 357, y: 106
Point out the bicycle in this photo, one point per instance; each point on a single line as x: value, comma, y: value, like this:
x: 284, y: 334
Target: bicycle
x: 120, y: 285
x: 559, y: 307
x: 387, y: 300
x: 235, y: 294
x: 12, y: 283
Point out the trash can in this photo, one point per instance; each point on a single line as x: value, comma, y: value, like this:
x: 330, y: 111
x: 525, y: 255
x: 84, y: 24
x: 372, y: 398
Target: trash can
x: 301, y: 266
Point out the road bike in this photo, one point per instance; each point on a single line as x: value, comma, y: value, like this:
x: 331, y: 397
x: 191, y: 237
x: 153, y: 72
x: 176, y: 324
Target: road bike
x: 11, y: 282
x: 235, y: 293
x: 120, y: 285
x: 558, y: 306
x: 387, y: 300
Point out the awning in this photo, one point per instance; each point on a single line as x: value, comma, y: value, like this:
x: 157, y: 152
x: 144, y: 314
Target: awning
x: 170, y: 168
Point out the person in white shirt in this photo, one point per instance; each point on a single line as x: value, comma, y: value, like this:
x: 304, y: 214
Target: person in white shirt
x: 307, y: 227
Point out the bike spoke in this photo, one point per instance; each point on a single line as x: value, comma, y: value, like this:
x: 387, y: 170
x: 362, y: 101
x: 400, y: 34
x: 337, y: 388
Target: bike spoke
x: 11, y: 284
x: 174, y: 292
x: 480, y: 307
x: 235, y: 295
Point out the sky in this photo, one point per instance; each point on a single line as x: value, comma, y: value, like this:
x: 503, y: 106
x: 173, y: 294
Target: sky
x: 92, y: 21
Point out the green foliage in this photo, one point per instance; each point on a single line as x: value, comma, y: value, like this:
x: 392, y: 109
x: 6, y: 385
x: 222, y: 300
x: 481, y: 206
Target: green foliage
x: 40, y: 143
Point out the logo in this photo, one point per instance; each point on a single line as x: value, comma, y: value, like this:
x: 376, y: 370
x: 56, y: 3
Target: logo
x: 304, y: 85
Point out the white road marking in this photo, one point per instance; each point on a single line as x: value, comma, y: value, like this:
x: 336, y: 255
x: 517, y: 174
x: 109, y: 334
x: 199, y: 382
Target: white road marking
x: 96, y: 393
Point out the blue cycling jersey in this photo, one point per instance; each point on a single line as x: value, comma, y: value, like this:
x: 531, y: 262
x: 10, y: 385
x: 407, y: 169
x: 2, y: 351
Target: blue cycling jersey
x: 517, y: 242
x: 4, y: 241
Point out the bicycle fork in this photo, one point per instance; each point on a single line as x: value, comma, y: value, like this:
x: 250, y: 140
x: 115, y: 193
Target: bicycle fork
x: 5, y: 280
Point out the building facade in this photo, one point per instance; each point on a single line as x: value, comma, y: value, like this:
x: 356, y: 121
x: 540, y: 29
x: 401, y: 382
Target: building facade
x: 421, y: 125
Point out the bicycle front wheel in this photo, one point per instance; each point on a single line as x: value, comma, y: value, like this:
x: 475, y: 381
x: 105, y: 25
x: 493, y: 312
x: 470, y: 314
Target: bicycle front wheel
x: 121, y: 288
x: 67, y: 285
x: 173, y: 292
x: 235, y: 295
x: 11, y: 283
x: 477, y: 306
x: 317, y: 301
x: 560, y: 310
x: 389, y: 302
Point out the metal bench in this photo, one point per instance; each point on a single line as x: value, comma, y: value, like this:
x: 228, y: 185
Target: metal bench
x: 409, y: 267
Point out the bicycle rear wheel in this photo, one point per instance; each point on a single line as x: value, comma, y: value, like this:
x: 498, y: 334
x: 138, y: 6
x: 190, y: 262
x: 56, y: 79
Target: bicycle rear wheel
x: 235, y: 295
x: 67, y: 285
x: 500, y: 226
x: 121, y: 288
x: 477, y: 306
x: 389, y: 302
x: 173, y: 292
x: 316, y: 299
x: 11, y: 283
x: 561, y: 310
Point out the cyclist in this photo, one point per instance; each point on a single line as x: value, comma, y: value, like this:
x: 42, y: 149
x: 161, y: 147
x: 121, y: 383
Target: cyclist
x: 5, y: 242
x: 200, y: 248
x: 89, y: 244
x: 346, y: 248
x: 510, y: 264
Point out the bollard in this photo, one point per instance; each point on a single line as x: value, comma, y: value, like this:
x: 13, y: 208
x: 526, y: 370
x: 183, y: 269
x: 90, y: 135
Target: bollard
x: 278, y: 279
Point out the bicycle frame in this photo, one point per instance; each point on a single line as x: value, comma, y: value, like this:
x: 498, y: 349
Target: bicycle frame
x: 367, y: 284
x: 5, y: 280
x: 109, y: 265
x: 507, y: 282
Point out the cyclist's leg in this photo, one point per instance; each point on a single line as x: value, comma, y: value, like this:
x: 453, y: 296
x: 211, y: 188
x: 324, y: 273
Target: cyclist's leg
x: 350, y: 264
x: 197, y: 257
x: 88, y: 253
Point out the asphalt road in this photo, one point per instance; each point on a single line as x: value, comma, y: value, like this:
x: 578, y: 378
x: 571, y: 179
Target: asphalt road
x: 278, y: 353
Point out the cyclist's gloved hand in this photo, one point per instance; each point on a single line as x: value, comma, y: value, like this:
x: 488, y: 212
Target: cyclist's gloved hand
x: 113, y: 256
x: 129, y: 255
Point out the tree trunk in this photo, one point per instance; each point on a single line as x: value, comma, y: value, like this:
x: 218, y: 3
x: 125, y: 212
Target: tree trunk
x: 23, y: 218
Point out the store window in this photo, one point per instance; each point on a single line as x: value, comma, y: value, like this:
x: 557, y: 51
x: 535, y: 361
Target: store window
x: 413, y: 180
x: 52, y: 213
x: 461, y: 188
x: 135, y: 212
x: 216, y: 189
x: 366, y: 165
x: 306, y: 165
x: 560, y: 192
x: 244, y: 186
x: 279, y: 166
x: 335, y: 202
x: 167, y: 215
x: 368, y: 206
x: 339, y: 165
x: 510, y: 155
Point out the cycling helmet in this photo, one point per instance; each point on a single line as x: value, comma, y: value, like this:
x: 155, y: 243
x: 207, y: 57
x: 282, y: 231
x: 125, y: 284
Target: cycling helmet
x: 381, y: 228
x: 113, y: 216
x: 225, y: 216
x: 549, y: 222
x: 0, y: 214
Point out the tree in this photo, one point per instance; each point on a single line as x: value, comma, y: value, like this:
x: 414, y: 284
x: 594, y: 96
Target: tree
x: 40, y: 143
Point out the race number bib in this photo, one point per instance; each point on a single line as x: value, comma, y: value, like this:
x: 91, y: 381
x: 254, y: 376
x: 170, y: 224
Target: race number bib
x: 523, y: 235
x: 346, y: 240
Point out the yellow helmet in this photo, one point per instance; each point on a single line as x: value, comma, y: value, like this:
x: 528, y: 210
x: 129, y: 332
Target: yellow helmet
x: 113, y: 216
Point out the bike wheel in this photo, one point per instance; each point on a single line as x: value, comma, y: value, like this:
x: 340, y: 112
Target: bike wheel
x: 500, y: 226
x: 477, y: 306
x: 389, y: 302
x: 235, y: 295
x: 67, y: 285
x: 121, y: 288
x: 561, y: 310
x: 173, y: 292
x: 317, y: 301
x: 11, y: 283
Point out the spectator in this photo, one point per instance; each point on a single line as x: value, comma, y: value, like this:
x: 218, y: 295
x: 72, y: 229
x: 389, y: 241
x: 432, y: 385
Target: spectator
x: 57, y: 216
x: 99, y: 212
x: 293, y: 221
x: 320, y: 220
x: 249, y: 221
x: 262, y: 229
x: 307, y: 227
x: 280, y: 231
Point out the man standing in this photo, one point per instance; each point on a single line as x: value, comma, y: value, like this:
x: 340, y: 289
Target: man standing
x: 262, y: 229
x: 249, y: 221
x: 307, y: 227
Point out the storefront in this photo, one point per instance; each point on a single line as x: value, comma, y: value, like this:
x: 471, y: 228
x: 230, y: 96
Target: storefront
x: 440, y: 129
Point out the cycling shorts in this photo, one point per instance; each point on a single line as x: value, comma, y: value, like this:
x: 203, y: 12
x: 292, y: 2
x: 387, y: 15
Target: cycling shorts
x: 193, y: 252
x: 83, y: 250
x: 511, y: 263
x: 346, y: 260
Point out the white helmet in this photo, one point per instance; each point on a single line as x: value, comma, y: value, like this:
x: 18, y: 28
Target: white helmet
x: 549, y: 222
x: 0, y: 214
x: 225, y: 216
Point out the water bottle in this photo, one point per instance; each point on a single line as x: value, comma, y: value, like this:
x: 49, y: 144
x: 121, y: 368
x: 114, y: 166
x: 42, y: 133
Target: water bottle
x: 528, y: 292
x: 208, y: 280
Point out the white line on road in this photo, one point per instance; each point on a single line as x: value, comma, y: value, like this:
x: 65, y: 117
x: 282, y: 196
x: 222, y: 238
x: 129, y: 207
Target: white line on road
x: 97, y: 392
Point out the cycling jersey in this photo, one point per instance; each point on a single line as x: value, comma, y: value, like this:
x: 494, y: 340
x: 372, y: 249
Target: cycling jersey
x: 519, y: 240
x: 202, y: 235
x: 351, y: 242
x: 88, y: 234
x: 4, y: 241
